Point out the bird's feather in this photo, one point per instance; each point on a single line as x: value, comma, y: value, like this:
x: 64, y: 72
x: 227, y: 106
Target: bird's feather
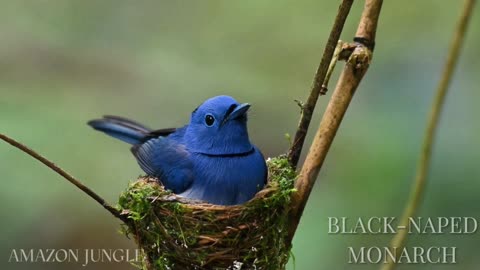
x: 121, y: 130
x: 159, y: 133
x: 168, y: 160
x: 126, y: 122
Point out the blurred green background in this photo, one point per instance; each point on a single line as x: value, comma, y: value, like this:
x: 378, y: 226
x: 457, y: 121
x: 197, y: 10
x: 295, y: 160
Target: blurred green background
x: 63, y: 63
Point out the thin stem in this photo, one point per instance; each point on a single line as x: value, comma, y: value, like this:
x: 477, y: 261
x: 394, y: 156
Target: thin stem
x: 398, y: 242
x: 115, y: 212
x: 317, y: 89
x: 351, y: 76
x: 333, y: 63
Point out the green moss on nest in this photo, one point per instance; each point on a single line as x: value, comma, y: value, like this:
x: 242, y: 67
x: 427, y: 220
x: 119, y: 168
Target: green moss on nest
x: 174, y: 234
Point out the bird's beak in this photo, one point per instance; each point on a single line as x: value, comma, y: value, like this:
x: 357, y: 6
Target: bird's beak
x: 239, y: 111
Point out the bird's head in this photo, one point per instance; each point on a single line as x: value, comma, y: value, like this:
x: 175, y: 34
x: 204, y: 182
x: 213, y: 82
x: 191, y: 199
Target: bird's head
x: 219, y: 127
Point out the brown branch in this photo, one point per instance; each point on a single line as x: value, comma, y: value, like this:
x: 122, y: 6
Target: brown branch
x: 317, y: 86
x: 353, y: 72
x: 115, y: 212
x: 398, y: 242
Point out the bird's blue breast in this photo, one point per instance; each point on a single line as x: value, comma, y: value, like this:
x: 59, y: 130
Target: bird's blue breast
x: 227, y: 179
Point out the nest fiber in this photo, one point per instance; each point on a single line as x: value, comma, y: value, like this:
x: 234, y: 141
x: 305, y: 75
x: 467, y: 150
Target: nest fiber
x: 177, y: 234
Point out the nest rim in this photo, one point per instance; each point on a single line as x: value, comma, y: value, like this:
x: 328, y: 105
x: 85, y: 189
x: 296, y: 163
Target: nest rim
x: 200, y: 235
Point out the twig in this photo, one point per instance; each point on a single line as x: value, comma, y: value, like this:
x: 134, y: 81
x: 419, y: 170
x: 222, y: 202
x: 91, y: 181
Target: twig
x: 335, y: 58
x: 317, y: 89
x: 398, y: 241
x: 115, y: 212
x: 353, y: 72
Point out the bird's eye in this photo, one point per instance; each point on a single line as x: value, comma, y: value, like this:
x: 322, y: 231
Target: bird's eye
x: 209, y: 120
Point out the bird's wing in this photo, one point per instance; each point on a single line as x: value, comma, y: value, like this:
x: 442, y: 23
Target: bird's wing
x: 168, y: 160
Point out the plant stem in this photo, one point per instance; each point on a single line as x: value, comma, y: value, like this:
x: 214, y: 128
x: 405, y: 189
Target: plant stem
x: 398, y: 242
x: 317, y: 89
x: 115, y: 212
x: 353, y: 72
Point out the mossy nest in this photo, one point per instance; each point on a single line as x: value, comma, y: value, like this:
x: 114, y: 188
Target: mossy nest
x: 177, y: 234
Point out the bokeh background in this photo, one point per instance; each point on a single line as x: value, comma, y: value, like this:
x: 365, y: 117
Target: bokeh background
x: 63, y: 63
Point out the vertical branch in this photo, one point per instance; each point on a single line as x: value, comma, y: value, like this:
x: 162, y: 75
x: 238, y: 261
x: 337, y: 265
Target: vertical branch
x: 353, y: 72
x: 398, y: 242
x: 115, y: 212
x: 317, y: 86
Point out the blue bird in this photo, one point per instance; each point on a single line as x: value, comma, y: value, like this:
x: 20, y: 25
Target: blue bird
x: 210, y: 159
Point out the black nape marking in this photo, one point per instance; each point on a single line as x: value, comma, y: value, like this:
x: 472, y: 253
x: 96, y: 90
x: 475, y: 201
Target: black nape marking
x: 251, y: 151
x: 194, y: 111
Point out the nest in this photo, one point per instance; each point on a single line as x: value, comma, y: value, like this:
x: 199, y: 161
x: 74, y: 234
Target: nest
x: 177, y: 234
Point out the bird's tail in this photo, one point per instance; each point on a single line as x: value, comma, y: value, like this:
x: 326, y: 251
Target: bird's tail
x: 121, y: 128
